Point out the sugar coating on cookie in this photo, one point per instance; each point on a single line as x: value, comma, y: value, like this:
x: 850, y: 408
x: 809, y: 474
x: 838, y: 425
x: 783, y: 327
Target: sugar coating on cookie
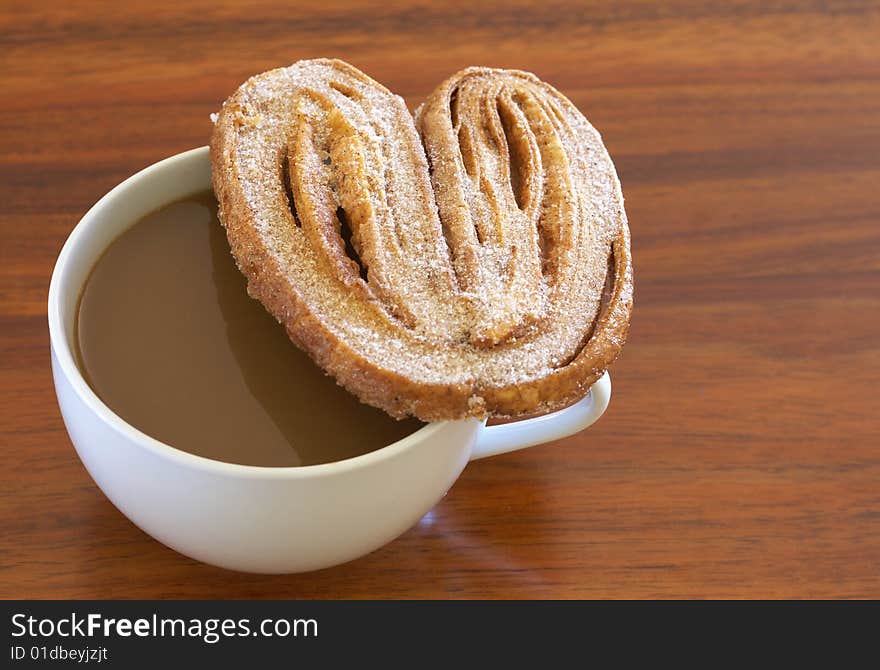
x: 471, y: 261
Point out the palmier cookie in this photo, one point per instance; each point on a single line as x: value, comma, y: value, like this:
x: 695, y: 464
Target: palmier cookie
x: 474, y: 261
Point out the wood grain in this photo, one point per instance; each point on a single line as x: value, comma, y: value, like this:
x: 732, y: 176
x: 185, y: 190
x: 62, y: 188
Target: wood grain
x: 739, y: 457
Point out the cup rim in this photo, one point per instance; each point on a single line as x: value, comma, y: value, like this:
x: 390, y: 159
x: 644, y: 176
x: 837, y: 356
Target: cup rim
x: 65, y: 360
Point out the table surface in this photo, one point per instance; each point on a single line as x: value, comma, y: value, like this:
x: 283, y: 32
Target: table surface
x: 739, y: 456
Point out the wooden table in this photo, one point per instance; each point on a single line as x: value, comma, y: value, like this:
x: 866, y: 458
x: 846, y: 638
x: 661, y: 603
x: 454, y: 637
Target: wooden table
x: 740, y: 456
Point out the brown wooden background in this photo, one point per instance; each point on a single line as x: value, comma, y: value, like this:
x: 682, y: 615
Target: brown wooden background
x: 739, y: 457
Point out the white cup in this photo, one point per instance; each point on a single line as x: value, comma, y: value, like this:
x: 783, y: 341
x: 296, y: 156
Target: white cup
x: 250, y: 518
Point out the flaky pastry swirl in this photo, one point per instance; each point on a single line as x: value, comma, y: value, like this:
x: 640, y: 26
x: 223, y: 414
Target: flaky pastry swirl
x: 472, y: 261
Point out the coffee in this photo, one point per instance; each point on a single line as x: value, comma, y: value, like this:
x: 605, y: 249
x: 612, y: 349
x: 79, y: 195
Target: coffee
x: 169, y: 339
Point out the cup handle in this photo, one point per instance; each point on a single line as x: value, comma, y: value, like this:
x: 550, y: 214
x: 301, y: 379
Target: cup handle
x: 506, y: 437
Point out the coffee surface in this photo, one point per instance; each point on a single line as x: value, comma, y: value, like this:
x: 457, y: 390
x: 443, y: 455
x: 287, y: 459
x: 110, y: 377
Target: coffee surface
x: 169, y: 339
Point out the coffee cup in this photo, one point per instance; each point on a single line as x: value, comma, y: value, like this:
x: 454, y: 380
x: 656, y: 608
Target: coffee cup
x: 244, y: 517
